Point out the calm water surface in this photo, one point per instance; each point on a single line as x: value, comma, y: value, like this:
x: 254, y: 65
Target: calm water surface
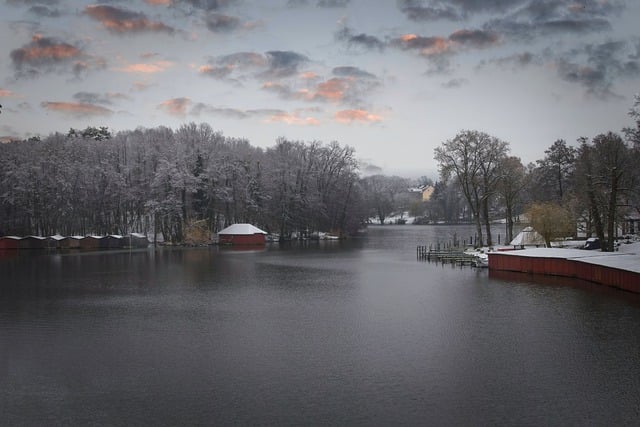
x: 340, y: 333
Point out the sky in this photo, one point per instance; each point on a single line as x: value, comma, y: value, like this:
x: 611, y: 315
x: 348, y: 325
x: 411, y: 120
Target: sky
x: 392, y: 79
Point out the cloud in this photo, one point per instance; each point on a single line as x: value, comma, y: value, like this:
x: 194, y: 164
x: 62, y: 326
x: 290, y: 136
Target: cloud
x: 222, y: 67
x: 438, y: 50
x: 350, y: 86
x: 418, y: 11
x: 158, y: 2
x: 454, y: 83
x: 6, y: 93
x: 78, y: 109
x: 123, y: 21
x: 207, y: 5
x: 292, y: 119
x: 141, y: 86
x: 348, y: 71
x: 298, y: 117
x: 454, y: 10
x: 597, y: 67
x: 175, y: 106
x: 331, y: 90
x: 548, y: 18
x: 219, y: 23
x: 283, y: 63
x: 96, y: 98
x: 320, y: 3
x: 514, y: 61
x: 333, y: 3
x: 47, y: 54
x: 351, y: 116
x: 44, y: 11
x: 362, y: 40
x: 145, y: 68
x: 234, y: 113
x: 425, y: 46
x: 474, y: 38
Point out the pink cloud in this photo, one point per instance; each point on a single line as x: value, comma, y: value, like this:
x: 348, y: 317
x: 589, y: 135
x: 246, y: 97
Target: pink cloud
x: 332, y: 90
x: 292, y: 119
x: 5, y: 93
x: 350, y: 116
x: 124, y: 21
x: 175, y: 106
x: 155, y: 67
x: 77, y: 108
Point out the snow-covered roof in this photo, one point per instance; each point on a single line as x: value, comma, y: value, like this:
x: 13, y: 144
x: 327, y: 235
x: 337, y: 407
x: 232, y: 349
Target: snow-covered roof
x: 242, y: 229
x: 528, y: 236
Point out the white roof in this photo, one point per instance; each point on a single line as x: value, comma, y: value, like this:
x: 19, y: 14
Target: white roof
x: 242, y: 229
x: 528, y: 236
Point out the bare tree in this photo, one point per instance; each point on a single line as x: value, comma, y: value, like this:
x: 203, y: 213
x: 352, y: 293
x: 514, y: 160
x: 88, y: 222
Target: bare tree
x: 510, y: 187
x: 604, y: 171
x: 474, y: 158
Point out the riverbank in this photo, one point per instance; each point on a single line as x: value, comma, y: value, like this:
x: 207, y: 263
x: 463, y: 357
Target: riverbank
x: 616, y: 269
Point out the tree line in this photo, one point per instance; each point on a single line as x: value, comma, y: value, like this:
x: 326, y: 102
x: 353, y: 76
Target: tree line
x: 166, y: 182
x: 160, y: 182
x: 589, y: 187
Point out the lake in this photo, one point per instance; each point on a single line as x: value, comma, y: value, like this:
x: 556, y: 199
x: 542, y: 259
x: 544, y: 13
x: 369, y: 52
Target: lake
x: 356, y: 332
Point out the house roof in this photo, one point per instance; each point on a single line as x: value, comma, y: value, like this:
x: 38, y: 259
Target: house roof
x: 242, y: 229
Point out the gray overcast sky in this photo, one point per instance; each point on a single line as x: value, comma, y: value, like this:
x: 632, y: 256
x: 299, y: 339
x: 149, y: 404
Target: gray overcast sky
x: 393, y: 79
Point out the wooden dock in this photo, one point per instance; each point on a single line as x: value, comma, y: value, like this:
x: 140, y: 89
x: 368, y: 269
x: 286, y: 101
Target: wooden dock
x: 452, y: 255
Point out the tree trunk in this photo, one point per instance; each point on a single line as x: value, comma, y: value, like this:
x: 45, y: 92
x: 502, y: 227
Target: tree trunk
x: 487, y: 222
x: 476, y: 217
x: 509, y: 224
x: 613, y: 200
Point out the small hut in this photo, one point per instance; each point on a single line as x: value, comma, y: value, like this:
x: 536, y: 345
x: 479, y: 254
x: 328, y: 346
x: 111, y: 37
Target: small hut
x: 70, y: 242
x: 91, y: 242
x: 55, y: 241
x: 242, y: 234
x: 528, y: 237
x: 33, y: 242
x: 136, y: 240
x: 112, y: 241
x: 9, y: 242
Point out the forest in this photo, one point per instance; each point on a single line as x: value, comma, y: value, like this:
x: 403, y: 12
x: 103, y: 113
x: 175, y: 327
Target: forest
x: 165, y: 183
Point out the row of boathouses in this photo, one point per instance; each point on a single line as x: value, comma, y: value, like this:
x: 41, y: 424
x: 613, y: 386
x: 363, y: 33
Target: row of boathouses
x: 112, y: 241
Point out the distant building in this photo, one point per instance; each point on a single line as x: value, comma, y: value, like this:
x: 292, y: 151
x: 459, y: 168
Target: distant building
x: 422, y: 193
x: 427, y: 192
x: 33, y: 242
x: 9, y: 242
x: 91, y: 242
x: 242, y: 234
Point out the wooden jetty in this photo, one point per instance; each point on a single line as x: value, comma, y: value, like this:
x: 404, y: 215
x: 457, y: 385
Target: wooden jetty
x: 450, y: 255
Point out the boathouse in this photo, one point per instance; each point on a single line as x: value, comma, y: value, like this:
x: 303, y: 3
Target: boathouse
x: 9, y: 242
x: 242, y: 234
x: 91, y: 242
x: 112, y: 241
x: 33, y: 242
x: 137, y: 240
x: 70, y: 242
